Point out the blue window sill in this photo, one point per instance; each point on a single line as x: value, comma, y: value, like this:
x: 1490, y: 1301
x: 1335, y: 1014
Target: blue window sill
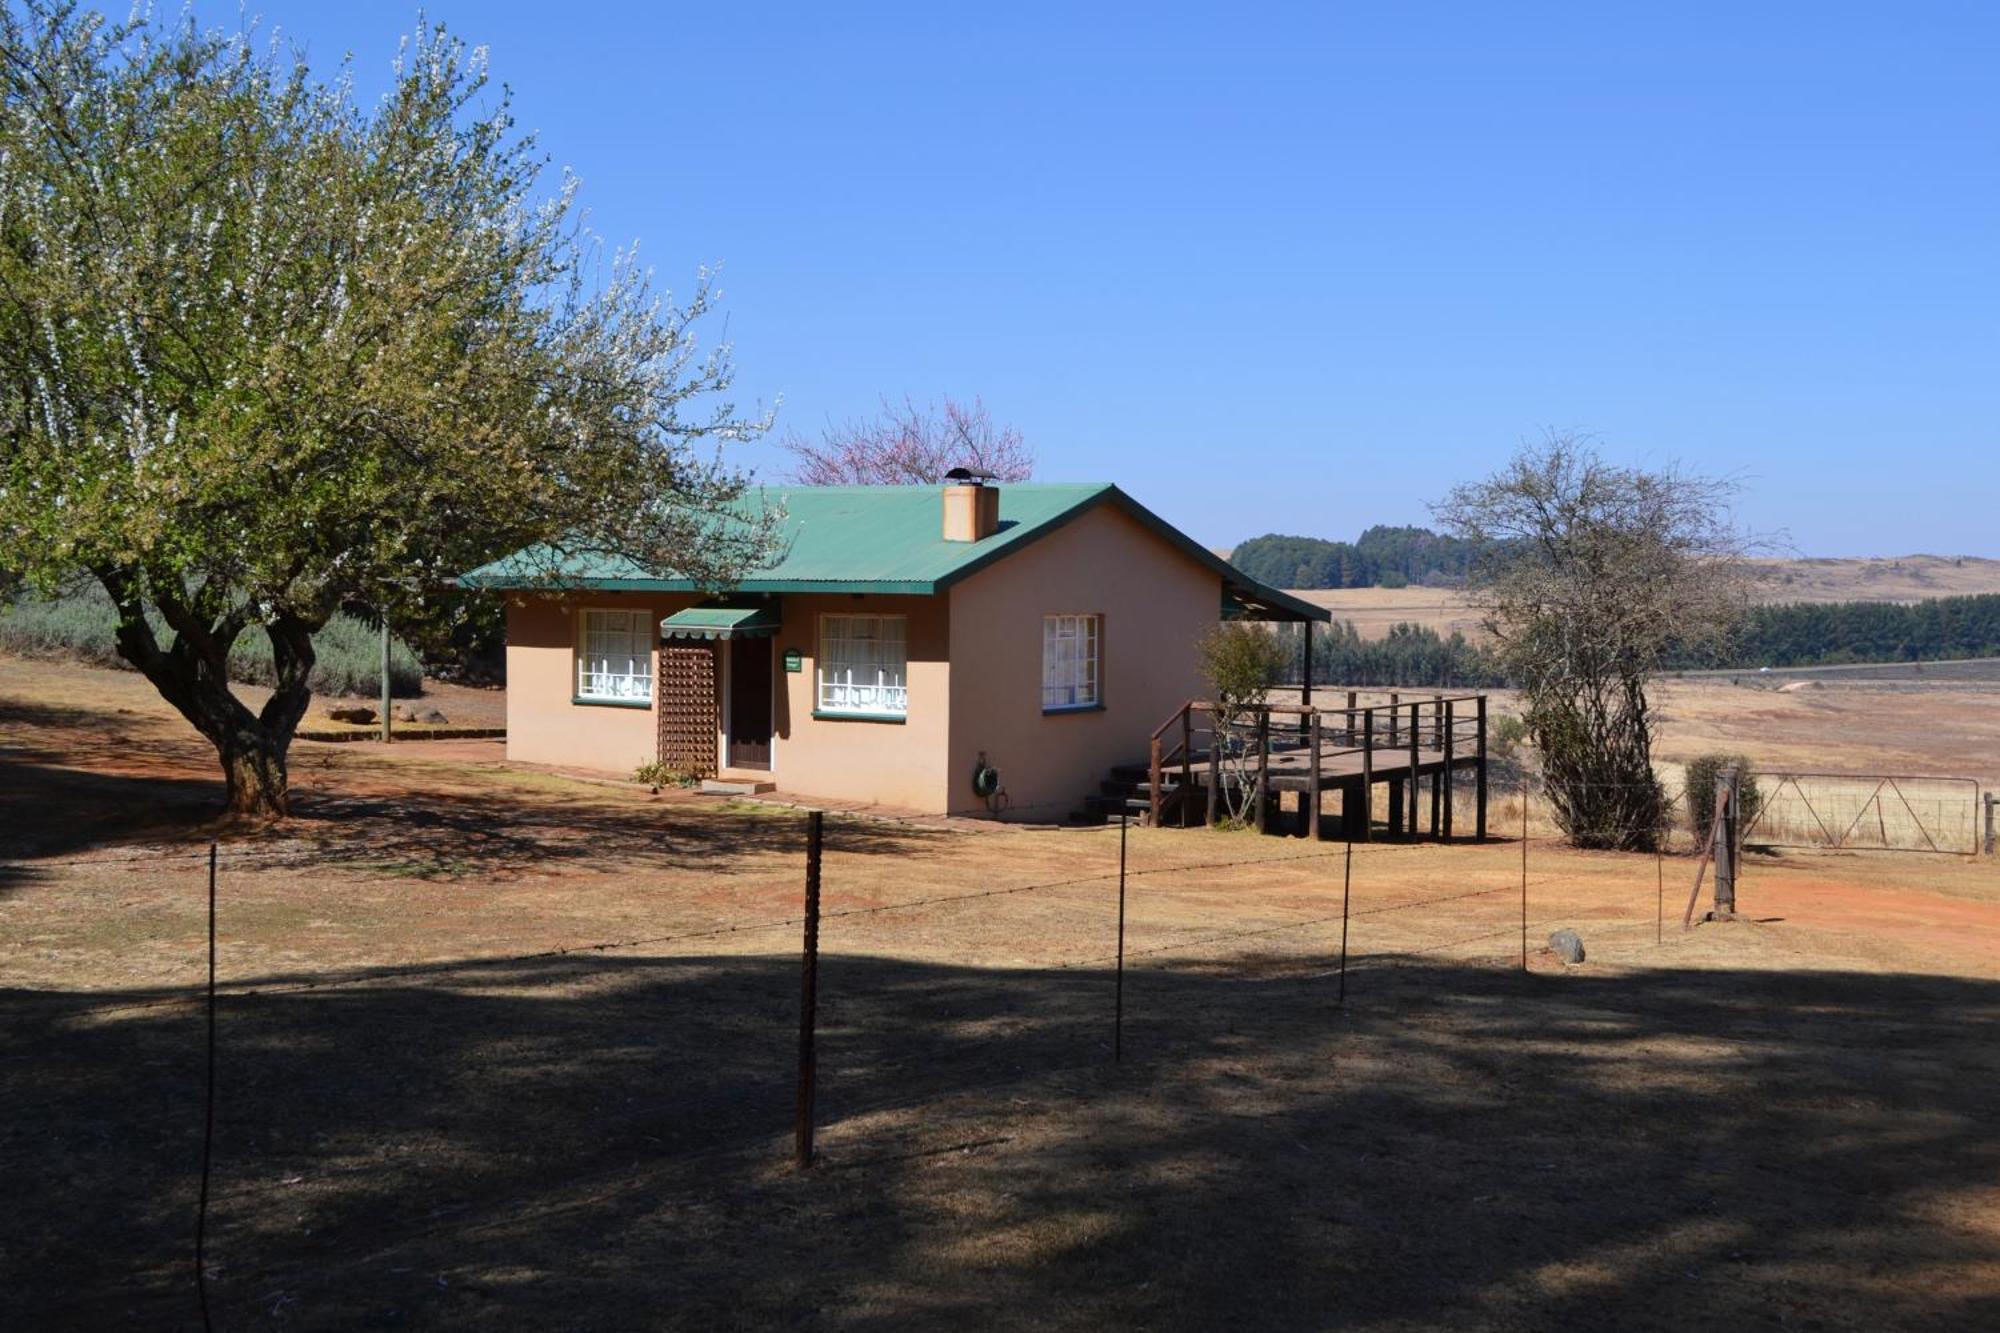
x: 896, y: 718
x: 584, y: 701
x: 1073, y: 708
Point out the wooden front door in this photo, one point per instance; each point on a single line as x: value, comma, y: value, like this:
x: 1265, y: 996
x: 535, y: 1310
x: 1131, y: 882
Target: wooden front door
x: 750, y: 703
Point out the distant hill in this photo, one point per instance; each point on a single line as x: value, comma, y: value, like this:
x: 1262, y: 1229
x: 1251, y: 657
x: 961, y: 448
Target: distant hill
x: 1900, y: 579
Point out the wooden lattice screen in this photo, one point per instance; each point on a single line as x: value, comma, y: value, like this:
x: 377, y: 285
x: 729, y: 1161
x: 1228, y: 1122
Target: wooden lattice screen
x: 689, y: 707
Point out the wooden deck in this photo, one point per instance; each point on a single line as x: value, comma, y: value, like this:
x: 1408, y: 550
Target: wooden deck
x: 1412, y: 749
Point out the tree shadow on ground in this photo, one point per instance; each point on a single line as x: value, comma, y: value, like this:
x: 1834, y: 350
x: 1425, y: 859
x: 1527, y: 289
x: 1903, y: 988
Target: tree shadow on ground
x: 600, y: 1143
x: 76, y: 783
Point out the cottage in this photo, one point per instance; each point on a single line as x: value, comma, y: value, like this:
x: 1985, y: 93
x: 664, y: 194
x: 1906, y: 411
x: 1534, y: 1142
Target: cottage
x: 969, y: 648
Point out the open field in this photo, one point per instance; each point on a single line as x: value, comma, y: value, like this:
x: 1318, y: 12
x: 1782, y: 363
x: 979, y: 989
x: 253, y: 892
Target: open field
x: 1909, y: 578
x: 498, y: 1049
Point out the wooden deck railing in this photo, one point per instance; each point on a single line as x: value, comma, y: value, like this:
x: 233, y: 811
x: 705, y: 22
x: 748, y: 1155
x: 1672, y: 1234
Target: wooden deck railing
x: 1446, y: 725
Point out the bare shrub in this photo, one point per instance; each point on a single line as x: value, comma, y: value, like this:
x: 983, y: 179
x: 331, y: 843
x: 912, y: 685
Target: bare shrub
x: 1594, y: 576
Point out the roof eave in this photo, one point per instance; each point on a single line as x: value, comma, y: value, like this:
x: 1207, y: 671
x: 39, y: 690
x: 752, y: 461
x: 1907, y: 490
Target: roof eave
x: 511, y: 583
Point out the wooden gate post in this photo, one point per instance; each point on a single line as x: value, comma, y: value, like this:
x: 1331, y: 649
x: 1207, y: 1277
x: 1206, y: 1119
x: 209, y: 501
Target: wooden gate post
x: 1725, y: 845
x: 1991, y: 801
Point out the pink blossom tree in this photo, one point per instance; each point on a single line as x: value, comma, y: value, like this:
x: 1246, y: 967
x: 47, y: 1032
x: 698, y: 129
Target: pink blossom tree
x: 909, y: 445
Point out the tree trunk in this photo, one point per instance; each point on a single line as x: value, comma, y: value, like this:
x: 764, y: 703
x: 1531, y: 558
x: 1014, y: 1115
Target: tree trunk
x: 192, y: 673
x: 254, y: 768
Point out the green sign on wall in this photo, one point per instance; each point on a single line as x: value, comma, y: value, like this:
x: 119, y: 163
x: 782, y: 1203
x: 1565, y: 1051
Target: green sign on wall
x: 794, y: 660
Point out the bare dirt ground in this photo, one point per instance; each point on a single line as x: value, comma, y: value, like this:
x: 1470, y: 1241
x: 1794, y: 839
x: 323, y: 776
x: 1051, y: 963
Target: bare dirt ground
x: 497, y: 1049
x: 1908, y: 578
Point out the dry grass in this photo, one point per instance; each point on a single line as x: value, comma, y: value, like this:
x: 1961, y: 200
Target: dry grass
x: 1908, y: 578
x: 1787, y: 1122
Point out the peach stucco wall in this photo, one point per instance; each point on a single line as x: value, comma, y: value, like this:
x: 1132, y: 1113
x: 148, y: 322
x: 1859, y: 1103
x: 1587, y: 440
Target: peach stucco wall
x: 543, y: 725
x: 889, y: 763
x: 1156, y: 603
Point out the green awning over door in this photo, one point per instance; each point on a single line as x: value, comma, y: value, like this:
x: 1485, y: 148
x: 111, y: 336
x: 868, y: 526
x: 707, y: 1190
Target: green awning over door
x: 721, y: 622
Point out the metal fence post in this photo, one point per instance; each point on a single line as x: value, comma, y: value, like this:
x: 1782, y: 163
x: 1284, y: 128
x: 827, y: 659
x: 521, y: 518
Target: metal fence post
x: 809, y: 995
x: 208, y: 1114
x: 1524, y: 872
x: 1346, y: 889
x: 1118, y: 1012
x: 1991, y: 801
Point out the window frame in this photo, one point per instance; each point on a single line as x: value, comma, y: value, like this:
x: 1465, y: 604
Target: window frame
x: 821, y: 709
x: 1095, y: 639
x: 580, y: 656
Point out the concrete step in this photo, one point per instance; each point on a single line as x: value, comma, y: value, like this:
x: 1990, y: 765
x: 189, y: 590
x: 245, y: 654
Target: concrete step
x: 735, y: 787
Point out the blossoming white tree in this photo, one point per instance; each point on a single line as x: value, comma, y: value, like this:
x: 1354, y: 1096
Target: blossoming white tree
x: 264, y: 352
x: 911, y: 445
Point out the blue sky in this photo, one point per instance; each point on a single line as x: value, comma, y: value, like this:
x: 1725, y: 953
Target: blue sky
x: 1300, y: 269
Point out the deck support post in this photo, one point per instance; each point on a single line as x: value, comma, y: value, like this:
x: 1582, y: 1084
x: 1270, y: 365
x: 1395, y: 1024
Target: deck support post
x: 1358, y: 821
x: 1479, y: 776
x: 1312, y: 777
x: 1214, y: 766
x: 1450, y: 786
x: 1306, y: 677
x: 1395, y: 711
x: 1187, y: 763
x: 1155, y: 776
x: 1264, y: 771
x: 1416, y: 791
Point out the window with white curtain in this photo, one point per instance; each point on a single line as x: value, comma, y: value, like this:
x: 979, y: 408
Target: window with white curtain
x: 864, y: 665
x: 614, y: 656
x: 1070, y: 674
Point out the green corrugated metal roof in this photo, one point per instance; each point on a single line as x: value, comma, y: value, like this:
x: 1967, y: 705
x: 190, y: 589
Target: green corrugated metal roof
x: 721, y: 622
x: 881, y: 539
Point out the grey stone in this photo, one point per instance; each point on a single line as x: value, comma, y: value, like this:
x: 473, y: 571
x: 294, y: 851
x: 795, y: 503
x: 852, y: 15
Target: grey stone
x: 434, y: 716
x: 1568, y: 945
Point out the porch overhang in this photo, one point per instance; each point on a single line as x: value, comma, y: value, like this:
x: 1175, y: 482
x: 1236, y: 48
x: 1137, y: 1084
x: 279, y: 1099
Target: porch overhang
x: 721, y: 622
x: 1245, y: 599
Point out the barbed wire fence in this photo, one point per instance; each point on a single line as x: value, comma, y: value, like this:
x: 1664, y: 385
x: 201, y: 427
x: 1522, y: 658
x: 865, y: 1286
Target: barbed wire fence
x: 1366, y: 932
